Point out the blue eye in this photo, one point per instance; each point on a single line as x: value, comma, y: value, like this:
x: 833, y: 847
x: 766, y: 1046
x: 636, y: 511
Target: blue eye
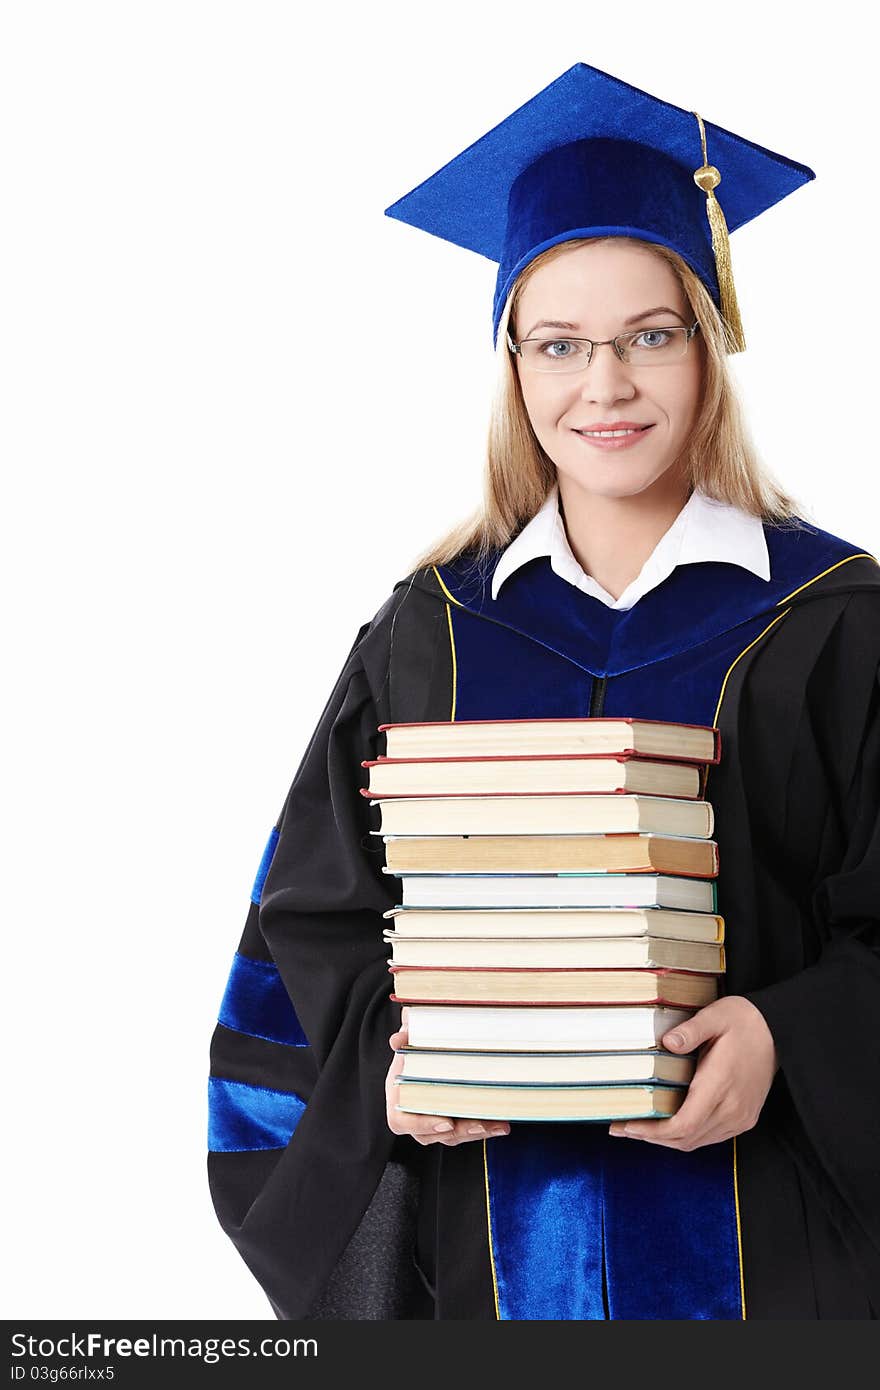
x: 559, y: 343
x: 649, y: 332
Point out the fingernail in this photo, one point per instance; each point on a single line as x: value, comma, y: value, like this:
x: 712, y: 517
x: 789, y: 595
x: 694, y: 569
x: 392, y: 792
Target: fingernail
x: 443, y: 1127
x: 676, y: 1039
x: 617, y: 1131
x: 494, y: 1132
x: 476, y: 1129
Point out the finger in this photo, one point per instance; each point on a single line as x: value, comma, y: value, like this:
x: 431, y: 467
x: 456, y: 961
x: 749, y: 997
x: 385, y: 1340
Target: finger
x: 471, y: 1132
x: 725, y: 1121
x: 430, y: 1128
x: 482, y: 1129
x: 399, y: 1039
x: 676, y: 1129
x: 699, y: 1028
x: 444, y: 1129
x: 705, y: 1094
x: 396, y: 1041
x: 425, y: 1129
x: 690, y: 1120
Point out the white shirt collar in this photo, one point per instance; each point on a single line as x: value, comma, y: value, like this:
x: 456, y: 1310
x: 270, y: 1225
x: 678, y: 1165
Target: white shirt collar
x: 705, y: 529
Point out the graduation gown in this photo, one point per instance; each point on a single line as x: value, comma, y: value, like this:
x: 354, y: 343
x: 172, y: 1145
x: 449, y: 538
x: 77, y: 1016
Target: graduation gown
x: 339, y: 1218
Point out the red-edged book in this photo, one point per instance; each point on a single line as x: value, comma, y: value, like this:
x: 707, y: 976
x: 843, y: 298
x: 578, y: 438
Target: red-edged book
x: 532, y: 774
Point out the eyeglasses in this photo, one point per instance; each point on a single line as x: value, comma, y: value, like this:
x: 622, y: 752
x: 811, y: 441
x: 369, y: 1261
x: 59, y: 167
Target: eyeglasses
x: 647, y: 347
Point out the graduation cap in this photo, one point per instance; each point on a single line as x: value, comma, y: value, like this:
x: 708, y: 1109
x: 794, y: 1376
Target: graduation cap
x: 591, y: 155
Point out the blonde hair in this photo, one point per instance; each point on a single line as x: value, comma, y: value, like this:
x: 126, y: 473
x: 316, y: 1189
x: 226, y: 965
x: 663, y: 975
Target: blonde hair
x: 719, y: 458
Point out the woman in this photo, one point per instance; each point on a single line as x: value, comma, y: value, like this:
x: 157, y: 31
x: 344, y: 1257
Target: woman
x: 664, y: 577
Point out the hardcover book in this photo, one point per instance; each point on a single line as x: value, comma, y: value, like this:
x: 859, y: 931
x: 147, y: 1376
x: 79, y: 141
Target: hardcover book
x: 519, y: 985
x: 585, y: 772
x: 477, y: 1102
x: 541, y: 854
x: 512, y: 1029
x: 604, y: 734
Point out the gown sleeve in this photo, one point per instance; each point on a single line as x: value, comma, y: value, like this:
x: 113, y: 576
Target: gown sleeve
x: 298, y: 1136
x: 825, y: 1019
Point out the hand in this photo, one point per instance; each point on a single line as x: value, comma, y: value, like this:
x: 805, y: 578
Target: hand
x: 429, y: 1129
x: 736, y: 1066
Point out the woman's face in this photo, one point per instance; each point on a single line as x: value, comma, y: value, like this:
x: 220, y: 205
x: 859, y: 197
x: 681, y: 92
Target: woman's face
x: 597, y: 292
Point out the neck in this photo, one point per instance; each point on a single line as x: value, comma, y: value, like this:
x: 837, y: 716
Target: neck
x: 612, y: 537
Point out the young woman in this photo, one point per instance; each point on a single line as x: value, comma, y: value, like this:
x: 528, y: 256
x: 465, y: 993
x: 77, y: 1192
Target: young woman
x: 665, y: 576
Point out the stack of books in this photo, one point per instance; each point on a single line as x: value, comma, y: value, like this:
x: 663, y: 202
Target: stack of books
x: 558, y: 911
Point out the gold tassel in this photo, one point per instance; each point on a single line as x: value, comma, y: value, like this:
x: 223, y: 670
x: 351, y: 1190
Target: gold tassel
x: 708, y: 178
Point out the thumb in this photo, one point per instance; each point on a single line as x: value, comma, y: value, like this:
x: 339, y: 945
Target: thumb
x: 684, y: 1037
x: 398, y: 1040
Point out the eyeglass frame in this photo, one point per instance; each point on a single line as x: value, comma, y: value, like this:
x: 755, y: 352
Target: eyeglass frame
x: 606, y: 342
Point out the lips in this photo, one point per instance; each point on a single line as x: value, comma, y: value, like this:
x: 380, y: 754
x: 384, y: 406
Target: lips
x: 626, y: 438
x: 608, y: 429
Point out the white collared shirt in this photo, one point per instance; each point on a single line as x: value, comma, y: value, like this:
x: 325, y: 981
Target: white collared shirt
x: 705, y: 529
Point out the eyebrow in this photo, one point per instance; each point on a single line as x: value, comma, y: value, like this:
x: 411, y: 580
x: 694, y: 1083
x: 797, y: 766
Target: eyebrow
x: 636, y: 318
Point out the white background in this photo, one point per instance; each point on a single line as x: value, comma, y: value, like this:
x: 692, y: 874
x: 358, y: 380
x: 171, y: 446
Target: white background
x: 199, y: 512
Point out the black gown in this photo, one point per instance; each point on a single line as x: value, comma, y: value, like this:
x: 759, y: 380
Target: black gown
x: 337, y: 1217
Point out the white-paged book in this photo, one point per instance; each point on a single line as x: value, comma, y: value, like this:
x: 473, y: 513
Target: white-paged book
x: 555, y: 953
x: 550, y: 815
x: 527, y: 775
x: 611, y: 734
x: 524, y: 922
x: 508, y: 1028
x: 558, y: 890
x: 545, y: 1068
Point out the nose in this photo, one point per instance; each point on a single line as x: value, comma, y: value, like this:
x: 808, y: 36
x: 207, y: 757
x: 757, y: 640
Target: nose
x: 606, y: 379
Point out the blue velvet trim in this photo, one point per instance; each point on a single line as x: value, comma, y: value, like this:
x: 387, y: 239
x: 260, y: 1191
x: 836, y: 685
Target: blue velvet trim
x: 697, y: 604
x: 564, y: 1200
x: 508, y: 276
x: 268, y: 853
x: 256, y: 1002
x: 678, y: 1210
x: 243, y: 1117
x: 545, y: 1206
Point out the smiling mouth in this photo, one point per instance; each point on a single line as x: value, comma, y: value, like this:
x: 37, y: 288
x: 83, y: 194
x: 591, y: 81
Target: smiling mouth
x: 613, y: 434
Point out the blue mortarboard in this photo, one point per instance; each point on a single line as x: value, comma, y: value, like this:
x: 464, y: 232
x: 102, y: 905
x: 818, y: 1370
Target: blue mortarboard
x: 591, y: 155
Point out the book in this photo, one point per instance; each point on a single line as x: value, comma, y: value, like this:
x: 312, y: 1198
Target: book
x: 520, y: 985
x: 460, y: 922
x: 603, y: 734
x: 512, y: 1029
x: 548, y: 953
x: 471, y: 1101
x: 558, y: 890
x: 585, y: 772
x: 523, y: 854
x: 546, y: 1068
x: 544, y: 815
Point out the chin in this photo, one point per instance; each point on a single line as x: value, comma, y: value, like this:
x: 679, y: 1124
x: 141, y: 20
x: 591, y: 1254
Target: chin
x: 610, y: 490
x: 614, y: 479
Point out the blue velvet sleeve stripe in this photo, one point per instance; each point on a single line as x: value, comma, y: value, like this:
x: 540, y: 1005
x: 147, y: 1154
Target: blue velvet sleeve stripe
x: 242, y: 1117
x: 256, y: 1002
x: 268, y: 853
